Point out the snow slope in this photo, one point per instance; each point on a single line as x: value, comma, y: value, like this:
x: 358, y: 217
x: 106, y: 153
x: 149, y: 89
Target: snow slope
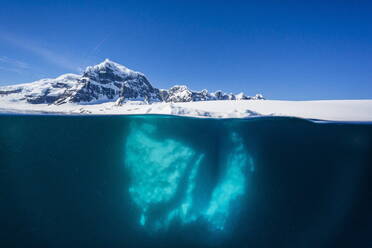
x: 332, y: 110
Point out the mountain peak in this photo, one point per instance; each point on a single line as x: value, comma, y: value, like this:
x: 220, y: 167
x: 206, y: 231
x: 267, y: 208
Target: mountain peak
x: 107, y: 60
x: 110, y: 65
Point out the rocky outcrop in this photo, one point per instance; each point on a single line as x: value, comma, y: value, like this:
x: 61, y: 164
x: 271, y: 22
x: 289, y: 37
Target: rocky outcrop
x: 180, y: 93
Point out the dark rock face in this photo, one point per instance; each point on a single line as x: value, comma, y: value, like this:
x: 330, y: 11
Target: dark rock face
x: 109, y: 81
x: 41, y: 99
x: 11, y: 91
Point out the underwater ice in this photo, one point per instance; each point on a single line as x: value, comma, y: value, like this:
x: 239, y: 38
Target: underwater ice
x: 164, y: 175
x: 232, y: 185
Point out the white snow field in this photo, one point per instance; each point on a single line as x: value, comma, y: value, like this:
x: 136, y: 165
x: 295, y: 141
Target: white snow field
x: 329, y: 110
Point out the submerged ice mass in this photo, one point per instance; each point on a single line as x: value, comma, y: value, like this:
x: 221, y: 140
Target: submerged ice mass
x: 167, y: 183
x: 232, y: 185
x: 157, y: 168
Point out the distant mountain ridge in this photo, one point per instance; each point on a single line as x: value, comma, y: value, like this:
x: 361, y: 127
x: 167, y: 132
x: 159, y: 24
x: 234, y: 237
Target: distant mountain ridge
x: 109, y: 81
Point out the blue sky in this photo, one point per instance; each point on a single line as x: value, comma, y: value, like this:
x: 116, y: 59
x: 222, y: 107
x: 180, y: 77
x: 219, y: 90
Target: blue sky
x: 296, y: 50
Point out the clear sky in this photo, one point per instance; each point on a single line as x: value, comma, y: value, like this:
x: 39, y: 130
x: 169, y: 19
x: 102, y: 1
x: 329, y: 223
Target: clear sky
x: 296, y: 50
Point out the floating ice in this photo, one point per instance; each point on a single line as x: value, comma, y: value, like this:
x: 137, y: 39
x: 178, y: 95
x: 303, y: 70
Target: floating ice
x: 231, y: 186
x: 156, y: 169
x: 164, y: 183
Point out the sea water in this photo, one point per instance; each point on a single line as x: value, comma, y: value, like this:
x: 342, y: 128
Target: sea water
x: 166, y: 181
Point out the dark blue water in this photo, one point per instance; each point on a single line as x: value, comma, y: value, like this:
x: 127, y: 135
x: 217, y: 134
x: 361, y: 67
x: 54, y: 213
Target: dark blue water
x: 158, y: 181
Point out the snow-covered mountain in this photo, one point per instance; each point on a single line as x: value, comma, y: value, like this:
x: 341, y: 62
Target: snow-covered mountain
x: 105, y: 82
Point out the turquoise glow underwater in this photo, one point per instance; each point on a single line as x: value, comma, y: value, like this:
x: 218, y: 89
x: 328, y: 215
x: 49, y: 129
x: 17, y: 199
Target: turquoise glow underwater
x: 164, y: 171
